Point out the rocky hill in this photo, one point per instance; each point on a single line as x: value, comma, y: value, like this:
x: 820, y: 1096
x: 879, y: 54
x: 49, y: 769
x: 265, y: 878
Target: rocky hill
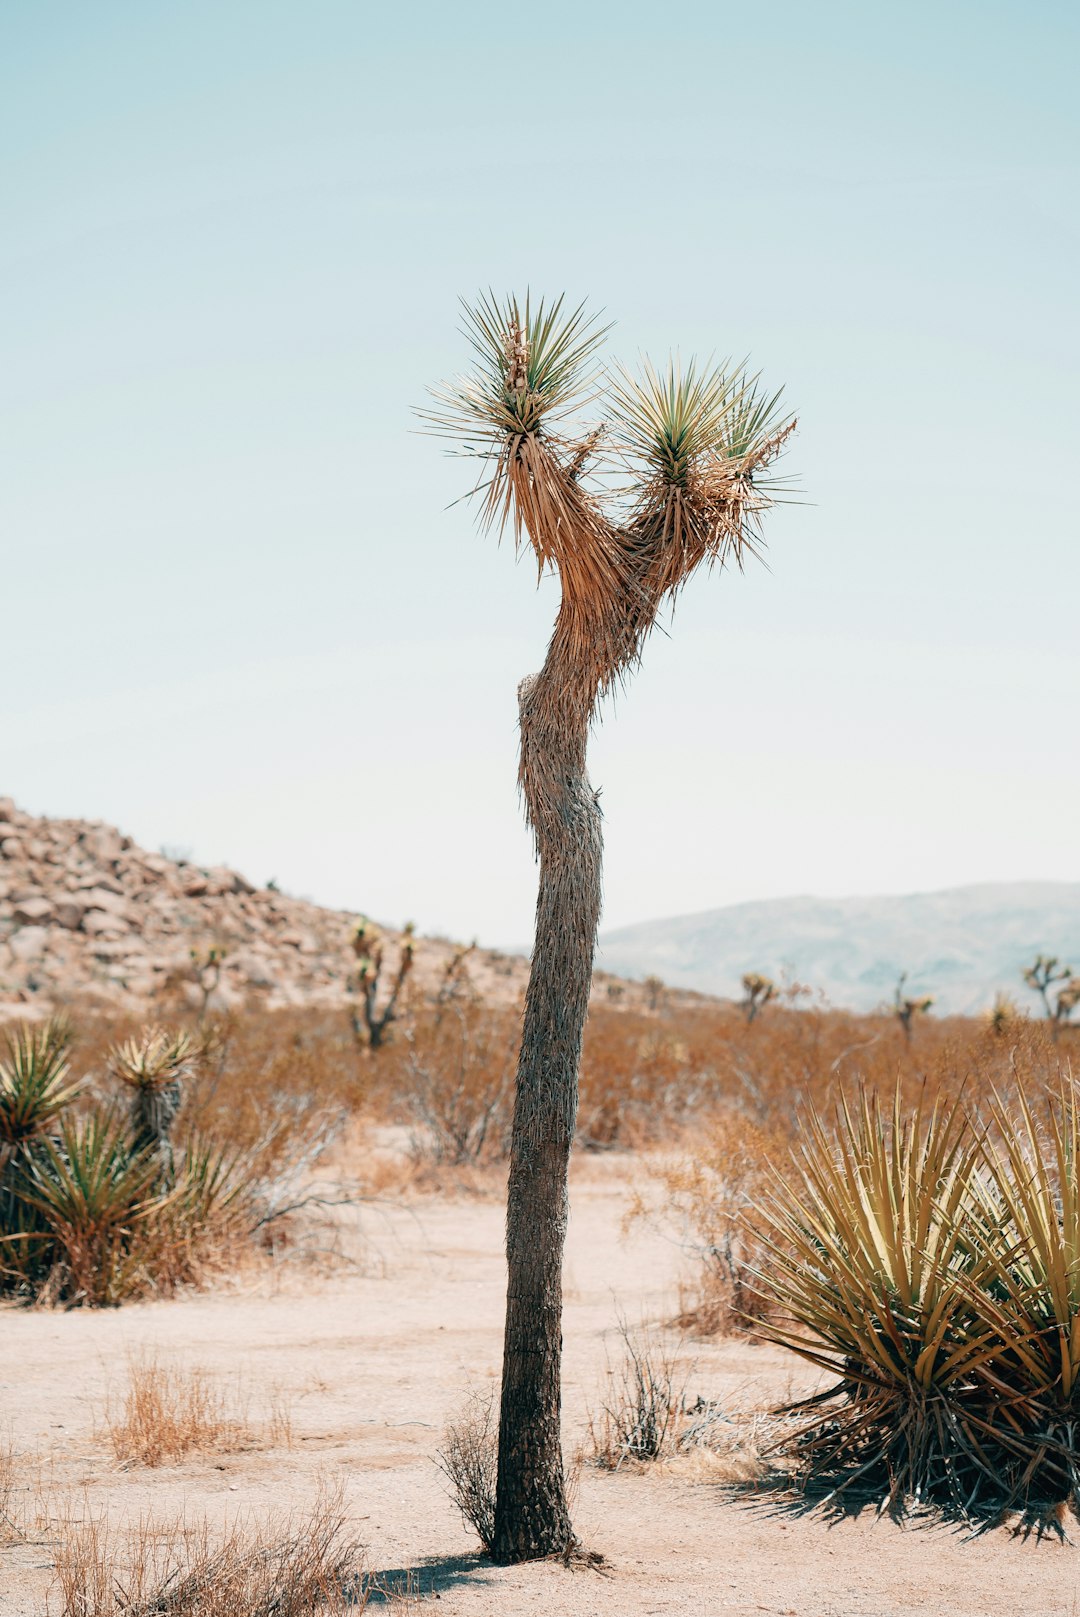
x: 962, y: 944
x: 87, y: 915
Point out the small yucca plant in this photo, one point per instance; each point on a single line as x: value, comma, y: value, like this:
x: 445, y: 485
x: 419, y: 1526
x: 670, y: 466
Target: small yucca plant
x: 94, y: 1195
x: 153, y: 1066
x: 35, y: 1089
x: 35, y: 1083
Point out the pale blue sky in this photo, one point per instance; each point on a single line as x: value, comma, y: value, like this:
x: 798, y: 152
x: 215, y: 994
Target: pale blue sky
x: 237, y: 615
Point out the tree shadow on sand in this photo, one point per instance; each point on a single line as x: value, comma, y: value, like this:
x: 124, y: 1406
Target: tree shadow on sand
x: 428, y: 1576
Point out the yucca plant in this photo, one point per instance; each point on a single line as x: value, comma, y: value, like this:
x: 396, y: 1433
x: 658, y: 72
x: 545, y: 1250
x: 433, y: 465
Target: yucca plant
x: 690, y: 447
x: 876, y: 1274
x: 35, y: 1082
x: 35, y: 1088
x: 95, y: 1195
x: 153, y: 1066
x: 1032, y: 1251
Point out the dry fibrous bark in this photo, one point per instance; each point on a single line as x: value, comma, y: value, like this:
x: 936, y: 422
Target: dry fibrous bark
x: 694, y: 444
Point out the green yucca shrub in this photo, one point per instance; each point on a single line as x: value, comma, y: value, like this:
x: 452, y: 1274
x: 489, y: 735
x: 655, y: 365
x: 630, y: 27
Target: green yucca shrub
x: 1031, y: 1243
x: 96, y: 1206
x: 96, y: 1197
x: 35, y: 1088
x: 932, y: 1265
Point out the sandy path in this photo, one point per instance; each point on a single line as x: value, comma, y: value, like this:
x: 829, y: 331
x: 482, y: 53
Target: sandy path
x: 371, y: 1365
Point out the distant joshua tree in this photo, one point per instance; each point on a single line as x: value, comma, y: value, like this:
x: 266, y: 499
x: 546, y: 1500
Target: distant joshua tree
x: 456, y: 983
x: 1044, y: 976
x: 757, y: 992
x: 654, y: 992
x: 688, y: 449
x: 907, y: 1009
x: 206, y: 968
x: 367, y: 942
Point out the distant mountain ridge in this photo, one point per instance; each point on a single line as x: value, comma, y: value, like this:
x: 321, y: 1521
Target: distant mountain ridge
x: 962, y: 944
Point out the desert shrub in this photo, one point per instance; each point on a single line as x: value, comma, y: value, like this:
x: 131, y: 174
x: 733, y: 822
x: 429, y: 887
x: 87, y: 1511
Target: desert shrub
x: 1030, y: 1236
x: 298, y: 1566
x: 932, y: 1267
x: 639, y: 1414
x: 457, y: 1080
x: 469, y: 1460
x: 639, y: 1079
x: 35, y: 1089
x: 705, y: 1198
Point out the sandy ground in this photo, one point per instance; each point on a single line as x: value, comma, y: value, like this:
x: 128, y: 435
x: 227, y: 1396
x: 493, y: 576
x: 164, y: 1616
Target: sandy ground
x: 371, y: 1361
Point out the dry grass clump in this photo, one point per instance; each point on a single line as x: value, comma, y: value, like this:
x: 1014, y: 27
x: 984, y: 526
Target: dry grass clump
x: 168, y: 1411
x: 9, y: 1529
x: 296, y: 1566
x: 639, y: 1414
x: 646, y: 1418
x: 469, y: 1460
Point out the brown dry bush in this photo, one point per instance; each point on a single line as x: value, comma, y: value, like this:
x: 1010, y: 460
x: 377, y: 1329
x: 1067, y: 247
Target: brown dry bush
x: 707, y: 1196
x: 469, y: 1460
x: 456, y: 1078
x: 168, y: 1411
x: 294, y: 1566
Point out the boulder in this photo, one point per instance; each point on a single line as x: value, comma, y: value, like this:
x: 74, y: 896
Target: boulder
x: 102, y: 924
x: 35, y: 911
x: 103, y: 843
x: 29, y: 943
x: 103, y: 898
x: 69, y: 913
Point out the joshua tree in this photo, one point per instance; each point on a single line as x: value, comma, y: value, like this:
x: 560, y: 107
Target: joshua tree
x: 690, y: 447
x: 654, y: 992
x: 757, y: 992
x: 206, y: 968
x: 1046, y: 974
x: 154, y: 1067
x: 368, y: 948
x: 907, y: 1009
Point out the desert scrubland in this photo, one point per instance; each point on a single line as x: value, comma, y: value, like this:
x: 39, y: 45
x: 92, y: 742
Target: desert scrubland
x: 281, y: 1360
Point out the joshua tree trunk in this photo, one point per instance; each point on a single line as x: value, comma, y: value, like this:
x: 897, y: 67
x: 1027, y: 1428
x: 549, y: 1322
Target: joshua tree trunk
x: 531, y: 1516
